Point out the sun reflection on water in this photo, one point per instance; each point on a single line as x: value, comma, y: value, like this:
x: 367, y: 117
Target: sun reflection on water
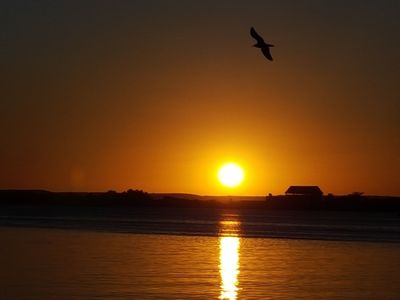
x: 229, y: 244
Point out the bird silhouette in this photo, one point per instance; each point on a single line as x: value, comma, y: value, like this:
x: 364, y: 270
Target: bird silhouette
x: 261, y: 44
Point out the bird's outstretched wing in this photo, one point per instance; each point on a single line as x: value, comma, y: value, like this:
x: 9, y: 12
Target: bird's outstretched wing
x: 267, y: 53
x: 255, y: 35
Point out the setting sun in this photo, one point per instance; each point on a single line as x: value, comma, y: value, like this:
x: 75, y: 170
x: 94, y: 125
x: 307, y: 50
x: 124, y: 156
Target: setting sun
x: 231, y: 175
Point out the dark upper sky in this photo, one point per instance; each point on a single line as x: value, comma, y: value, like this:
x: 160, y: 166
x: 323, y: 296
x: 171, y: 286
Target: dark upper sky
x: 100, y: 95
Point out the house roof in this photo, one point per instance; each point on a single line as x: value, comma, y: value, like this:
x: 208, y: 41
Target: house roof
x: 304, y: 190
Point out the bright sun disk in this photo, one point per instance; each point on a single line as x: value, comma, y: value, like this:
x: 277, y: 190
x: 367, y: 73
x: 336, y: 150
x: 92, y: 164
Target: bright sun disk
x: 231, y: 175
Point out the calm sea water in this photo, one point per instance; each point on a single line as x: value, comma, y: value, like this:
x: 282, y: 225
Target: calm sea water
x: 43, y: 263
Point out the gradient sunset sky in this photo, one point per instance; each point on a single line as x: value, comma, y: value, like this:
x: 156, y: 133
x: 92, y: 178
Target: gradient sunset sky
x: 156, y: 95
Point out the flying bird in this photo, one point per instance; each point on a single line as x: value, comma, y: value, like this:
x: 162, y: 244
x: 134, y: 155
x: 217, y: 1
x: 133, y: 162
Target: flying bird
x: 261, y: 44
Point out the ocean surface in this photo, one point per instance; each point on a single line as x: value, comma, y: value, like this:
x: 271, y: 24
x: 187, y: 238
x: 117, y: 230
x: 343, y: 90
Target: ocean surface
x: 65, y: 253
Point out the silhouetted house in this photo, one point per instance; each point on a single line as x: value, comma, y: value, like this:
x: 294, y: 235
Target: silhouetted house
x: 308, y: 191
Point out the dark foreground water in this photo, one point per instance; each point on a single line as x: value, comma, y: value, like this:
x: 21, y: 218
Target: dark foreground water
x: 190, y: 255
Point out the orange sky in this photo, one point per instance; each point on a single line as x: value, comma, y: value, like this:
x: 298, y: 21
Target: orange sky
x: 156, y: 95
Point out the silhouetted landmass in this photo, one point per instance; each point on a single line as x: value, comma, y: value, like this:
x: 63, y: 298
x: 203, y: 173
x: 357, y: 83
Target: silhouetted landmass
x: 353, y: 202
x: 110, y: 198
x: 138, y: 198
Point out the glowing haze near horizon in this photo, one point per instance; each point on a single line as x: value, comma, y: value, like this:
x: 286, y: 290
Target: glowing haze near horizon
x: 156, y: 95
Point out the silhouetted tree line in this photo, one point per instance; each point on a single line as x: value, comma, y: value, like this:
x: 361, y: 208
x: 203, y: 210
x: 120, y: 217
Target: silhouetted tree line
x: 40, y: 197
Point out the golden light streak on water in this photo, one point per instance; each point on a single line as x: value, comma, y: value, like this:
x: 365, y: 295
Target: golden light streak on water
x: 229, y: 259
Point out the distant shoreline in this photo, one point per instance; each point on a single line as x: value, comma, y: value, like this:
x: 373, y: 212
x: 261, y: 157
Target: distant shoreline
x: 139, y: 198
